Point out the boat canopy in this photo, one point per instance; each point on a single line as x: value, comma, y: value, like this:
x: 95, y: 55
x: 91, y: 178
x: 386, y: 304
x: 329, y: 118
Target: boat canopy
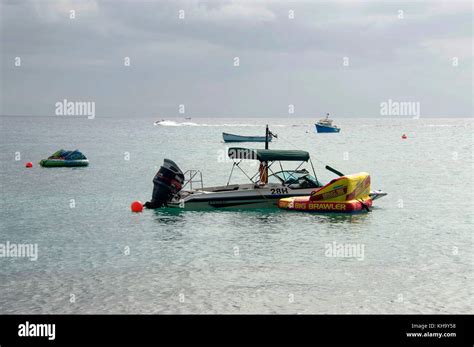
x: 267, y: 154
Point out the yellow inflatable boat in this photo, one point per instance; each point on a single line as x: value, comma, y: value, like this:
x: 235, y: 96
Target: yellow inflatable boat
x: 346, y: 194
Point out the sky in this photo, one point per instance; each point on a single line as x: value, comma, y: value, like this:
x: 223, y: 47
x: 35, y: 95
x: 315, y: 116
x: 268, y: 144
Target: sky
x: 237, y: 58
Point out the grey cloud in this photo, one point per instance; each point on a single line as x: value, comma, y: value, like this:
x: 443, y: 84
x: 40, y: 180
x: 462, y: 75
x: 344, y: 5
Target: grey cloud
x: 189, y: 61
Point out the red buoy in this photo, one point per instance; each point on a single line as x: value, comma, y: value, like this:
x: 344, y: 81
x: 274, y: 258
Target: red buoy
x: 404, y: 136
x: 29, y: 164
x: 136, y: 206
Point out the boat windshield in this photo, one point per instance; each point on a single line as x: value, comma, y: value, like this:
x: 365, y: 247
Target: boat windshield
x: 291, y: 177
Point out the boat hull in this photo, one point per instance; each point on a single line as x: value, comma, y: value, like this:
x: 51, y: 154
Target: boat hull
x: 239, y: 138
x: 259, y: 198
x: 253, y: 199
x: 326, y: 129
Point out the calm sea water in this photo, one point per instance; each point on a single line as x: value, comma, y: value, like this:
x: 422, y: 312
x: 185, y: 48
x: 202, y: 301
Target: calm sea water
x: 417, y: 242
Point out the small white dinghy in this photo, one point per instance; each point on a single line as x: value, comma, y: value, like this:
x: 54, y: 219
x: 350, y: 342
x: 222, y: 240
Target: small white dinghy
x: 241, y: 138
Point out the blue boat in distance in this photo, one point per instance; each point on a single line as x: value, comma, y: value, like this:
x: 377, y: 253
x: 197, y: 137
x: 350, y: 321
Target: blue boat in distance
x: 240, y: 138
x: 325, y: 126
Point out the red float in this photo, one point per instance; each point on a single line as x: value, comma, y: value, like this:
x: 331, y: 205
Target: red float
x: 136, y: 206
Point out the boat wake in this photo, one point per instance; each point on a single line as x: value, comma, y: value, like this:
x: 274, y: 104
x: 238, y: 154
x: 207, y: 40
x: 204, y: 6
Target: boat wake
x: 440, y: 125
x: 171, y: 123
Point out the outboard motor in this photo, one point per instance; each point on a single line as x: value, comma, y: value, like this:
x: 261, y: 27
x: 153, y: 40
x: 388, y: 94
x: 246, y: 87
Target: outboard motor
x: 167, y: 182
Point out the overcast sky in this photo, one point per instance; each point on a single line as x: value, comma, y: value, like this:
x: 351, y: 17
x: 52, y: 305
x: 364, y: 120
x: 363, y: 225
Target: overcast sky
x: 419, y: 51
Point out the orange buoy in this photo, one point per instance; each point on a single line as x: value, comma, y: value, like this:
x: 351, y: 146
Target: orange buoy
x: 29, y: 164
x: 136, y: 206
x: 404, y: 136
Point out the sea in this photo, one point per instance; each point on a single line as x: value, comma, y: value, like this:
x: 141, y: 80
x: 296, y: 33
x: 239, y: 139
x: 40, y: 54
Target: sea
x: 413, y: 253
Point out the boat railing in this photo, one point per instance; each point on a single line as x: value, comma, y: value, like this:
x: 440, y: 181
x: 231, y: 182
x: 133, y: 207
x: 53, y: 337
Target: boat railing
x: 193, y: 176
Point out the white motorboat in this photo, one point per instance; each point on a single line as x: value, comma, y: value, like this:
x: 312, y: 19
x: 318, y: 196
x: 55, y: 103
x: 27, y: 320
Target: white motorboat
x: 175, y: 189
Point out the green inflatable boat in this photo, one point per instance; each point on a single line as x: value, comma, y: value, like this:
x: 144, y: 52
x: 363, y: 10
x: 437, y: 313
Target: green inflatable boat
x: 64, y: 158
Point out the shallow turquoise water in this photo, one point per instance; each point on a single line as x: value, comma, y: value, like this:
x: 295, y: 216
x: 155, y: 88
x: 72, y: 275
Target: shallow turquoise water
x: 417, y: 241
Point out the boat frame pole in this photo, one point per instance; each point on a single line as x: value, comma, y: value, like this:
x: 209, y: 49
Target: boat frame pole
x: 266, y: 137
x: 265, y: 163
